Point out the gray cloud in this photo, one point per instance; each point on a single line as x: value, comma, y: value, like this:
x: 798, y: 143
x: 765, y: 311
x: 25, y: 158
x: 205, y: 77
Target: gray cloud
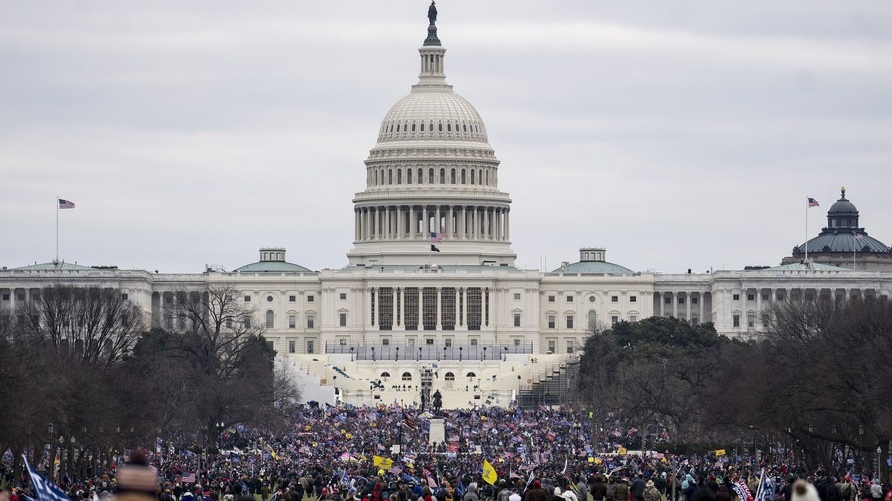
x: 680, y: 135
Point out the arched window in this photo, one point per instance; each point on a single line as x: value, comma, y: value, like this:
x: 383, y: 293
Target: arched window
x: 442, y: 176
x: 270, y: 319
x: 409, y: 176
x: 463, y: 178
x: 391, y: 128
x: 471, y: 374
x: 385, y: 374
x: 422, y: 126
x: 487, y: 177
x: 448, y: 127
x: 592, y: 319
x: 431, y: 128
x: 420, y: 176
x: 397, y: 128
x: 430, y: 176
x: 413, y: 127
x: 407, y: 376
x: 399, y: 176
x: 452, y: 176
x: 389, y: 176
x: 449, y: 376
x: 473, y: 173
x: 376, y: 177
x: 440, y: 127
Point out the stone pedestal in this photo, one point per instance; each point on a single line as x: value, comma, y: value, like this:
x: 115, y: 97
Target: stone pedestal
x: 438, y: 431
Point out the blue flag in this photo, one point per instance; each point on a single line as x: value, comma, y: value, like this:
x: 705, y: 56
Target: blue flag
x: 45, y: 490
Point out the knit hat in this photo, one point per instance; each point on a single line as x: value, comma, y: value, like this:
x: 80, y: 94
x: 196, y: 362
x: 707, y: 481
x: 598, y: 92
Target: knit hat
x: 804, y: 491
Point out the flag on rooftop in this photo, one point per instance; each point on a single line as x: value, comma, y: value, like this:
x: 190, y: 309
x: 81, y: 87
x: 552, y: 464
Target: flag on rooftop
x: 65, y: 204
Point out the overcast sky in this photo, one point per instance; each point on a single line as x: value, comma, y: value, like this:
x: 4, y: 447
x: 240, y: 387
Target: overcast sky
x: 676, y: 134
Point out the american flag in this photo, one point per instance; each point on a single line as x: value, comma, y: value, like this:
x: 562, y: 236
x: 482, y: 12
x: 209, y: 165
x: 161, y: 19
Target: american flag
x: 189, y: 479
x: 66, y: 204
x: 812, y: 202
x: 436, y: 237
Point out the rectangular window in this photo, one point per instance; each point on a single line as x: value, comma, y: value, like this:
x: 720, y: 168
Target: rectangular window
x: 569, y: 346
x: 310, y: 346
x: 668, y: 300
x: 695, y: 321
x: 550, y: 299
x: 429, y: 308
x: 429, y: 341
x: 633, y: 318
x: 614, y: 319
x: 516, y: 342
x: 736, y: 297
x: 475, y: 308
x: 247, y: 299
x: 750, y: 297
x: 411, y: 308
x: 736, y: 320
x: 552, y: 345
x: 551, y: 321
x: 474, y: 341
x: 292, y: 322
x: 766, y: 296
x: 247, y: 322
x: 695, y: 300
x: 517, y: 296
x: 569, y: 321
x: 343, y: 296
x: 292, y: 346
x: 292, y: 299
x: 751, y: 319
x: 270, y: 320
x: 633, y: 299
x: 447, y: 308
x: 6, y: 297
x: 517, y: 320
x: 271, y: 345
x: 569, y: 299
x: 342, y: 341
x: 385, y: 308
x: 310, y: 299
x: 311, y: 321
x: 342, y: 319
x: 385, y: 341
x: 681, y: 300
x: 614, y: 299
x: 780, y: 296
x: 410, y: 341
x: 447, y: 342
x: 124, y: 297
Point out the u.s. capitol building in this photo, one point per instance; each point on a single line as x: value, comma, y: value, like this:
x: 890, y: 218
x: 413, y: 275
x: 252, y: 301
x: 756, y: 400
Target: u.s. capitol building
x: 431, y: 293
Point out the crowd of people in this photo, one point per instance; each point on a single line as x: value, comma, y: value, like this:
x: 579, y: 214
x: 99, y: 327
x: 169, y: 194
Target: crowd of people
x: 383, y: 454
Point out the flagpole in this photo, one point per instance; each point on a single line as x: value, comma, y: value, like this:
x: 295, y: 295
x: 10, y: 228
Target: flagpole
x: 56, y: 261
x: 806, y: 232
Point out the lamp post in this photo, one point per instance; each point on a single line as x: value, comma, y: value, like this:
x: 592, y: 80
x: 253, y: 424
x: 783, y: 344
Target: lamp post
x: 351, y: 353
x: 505, y: 359
x: 484, y: 353
x: 419, y: 353
x: 373, y: 353
x: 397, y: 354
x: 444, y: 353
x: 460, y: 349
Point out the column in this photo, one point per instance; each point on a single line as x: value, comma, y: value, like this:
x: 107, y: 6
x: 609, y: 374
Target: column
x: 356, y: 224
x: 412, y: 224
x: 674, y: 304
x: 701, y: 301
x: 425, y: 223
x: 475, y: 224
x: 486, y: 224
x: 450, y: 230
x: 687, y: 303
x: 758, y: 303
x: 399, y: 223
x: 461, y: 222
x: 402, y: 309
x: 393, y: 326
x: 662, y: 304
x: 507, y: 224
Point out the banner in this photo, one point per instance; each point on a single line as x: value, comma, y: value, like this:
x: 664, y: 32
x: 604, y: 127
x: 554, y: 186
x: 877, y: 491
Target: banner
x: 382, y: 462
x: 720, y: 452
x: 489, y: 473
x: 45, y: 490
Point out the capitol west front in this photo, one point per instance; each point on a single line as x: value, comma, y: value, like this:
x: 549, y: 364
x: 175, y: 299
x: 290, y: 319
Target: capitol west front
x: 431, y: 295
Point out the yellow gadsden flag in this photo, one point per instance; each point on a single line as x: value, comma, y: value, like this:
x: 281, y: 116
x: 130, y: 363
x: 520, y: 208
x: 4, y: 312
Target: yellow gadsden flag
x: 489, y: 473
x: 622, y: 451
x: 720, y: 452
x: 382, y: 462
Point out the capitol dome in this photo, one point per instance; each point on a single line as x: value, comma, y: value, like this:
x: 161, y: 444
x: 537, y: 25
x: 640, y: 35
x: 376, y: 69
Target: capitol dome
x: 432, y: 116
